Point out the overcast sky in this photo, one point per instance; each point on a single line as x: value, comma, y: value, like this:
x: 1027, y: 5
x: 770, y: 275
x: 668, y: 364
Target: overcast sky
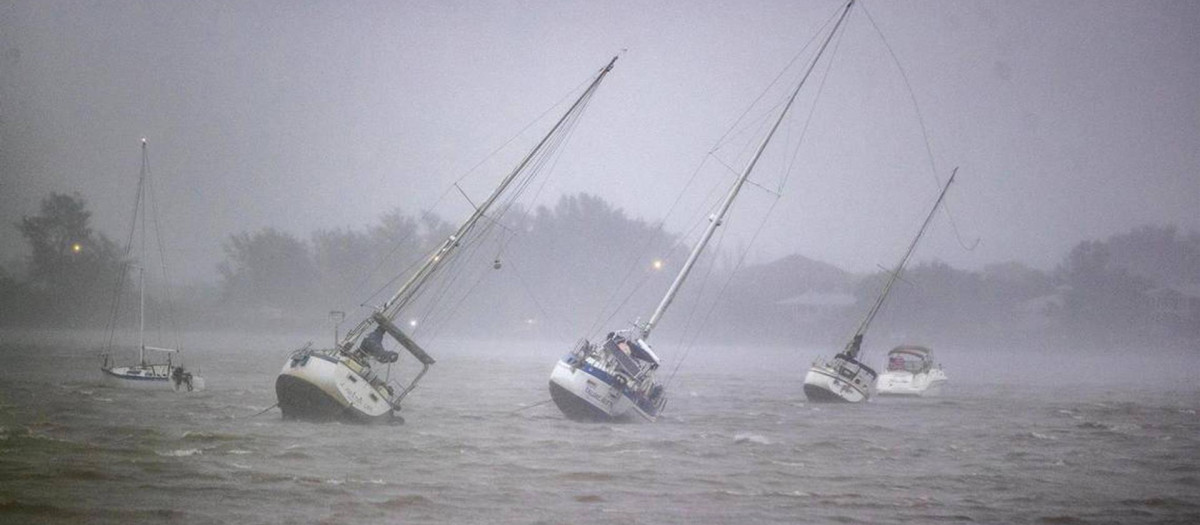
x: 1069, y: 120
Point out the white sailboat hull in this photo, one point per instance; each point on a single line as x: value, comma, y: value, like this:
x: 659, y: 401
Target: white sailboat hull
x: 838, y: 381
x: 903, y: 383
x: 586, y: 394
x: 149, y: 377
x: 317, y: 387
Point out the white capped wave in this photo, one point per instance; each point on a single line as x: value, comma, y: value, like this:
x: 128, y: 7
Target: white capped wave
x: 180, y: 453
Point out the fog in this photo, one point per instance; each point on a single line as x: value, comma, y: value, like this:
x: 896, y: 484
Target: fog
x: 1070, y: 120
x: 332, y: 129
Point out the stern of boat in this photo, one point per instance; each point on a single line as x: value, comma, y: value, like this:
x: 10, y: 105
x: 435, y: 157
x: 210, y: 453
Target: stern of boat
x: 314, y: 386
x: 839, y: 380
x: 583, y: 393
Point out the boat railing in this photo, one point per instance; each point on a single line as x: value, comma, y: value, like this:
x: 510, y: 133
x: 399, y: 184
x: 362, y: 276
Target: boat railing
x: 299, y: 352
x: 582, y: 349
x: 412, y: 347
x: 404, y: 389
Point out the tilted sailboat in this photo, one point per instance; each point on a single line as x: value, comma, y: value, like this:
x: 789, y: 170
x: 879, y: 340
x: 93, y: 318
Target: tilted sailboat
x: 145, y: 373
x: 845, y: 378
x: 351, y: 381
x: 604, y: 381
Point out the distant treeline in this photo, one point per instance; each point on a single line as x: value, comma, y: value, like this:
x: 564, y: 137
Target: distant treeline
x: 583, y: 266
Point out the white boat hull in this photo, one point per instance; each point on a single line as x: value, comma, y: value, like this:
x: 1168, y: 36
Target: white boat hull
x: 838, y: 381
x: 902, y: 383
x: 586, y: 394
x: 320, y: 388
x: 150, y: 377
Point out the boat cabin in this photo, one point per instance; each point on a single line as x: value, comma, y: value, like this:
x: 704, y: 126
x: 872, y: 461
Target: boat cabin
x: 914, y: 359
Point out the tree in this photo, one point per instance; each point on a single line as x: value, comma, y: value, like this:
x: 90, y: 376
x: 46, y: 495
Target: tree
x: 1102, y: 298
x: 69, y: 263
x: 1158, y: 253
x: 268, y: 268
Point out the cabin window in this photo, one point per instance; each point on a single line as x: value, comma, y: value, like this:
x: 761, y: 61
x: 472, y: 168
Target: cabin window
x: 374, y: 397
x: 352, y: 378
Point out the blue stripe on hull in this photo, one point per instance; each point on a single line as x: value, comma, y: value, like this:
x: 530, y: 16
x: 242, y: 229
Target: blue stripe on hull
x: 640, y: 402
x: 597, y: 373
x: 133, y: 378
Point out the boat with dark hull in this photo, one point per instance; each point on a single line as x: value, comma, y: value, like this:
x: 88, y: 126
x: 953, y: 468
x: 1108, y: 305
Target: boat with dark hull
x: 324, y: 385
x: 353, y: 381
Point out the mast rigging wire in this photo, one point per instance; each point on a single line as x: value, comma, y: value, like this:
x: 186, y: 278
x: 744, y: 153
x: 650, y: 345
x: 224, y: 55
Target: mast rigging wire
x: 741, y: 261
x: 446, y: 192
x: 126, y: 263
x: 924, y: 133
x: 162, y: 259
x: 471, y: 236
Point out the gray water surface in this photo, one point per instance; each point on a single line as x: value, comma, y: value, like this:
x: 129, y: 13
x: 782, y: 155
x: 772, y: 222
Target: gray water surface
x: 738, y: 444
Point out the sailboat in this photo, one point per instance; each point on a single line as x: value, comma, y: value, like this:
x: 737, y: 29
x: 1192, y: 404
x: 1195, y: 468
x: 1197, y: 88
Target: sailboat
x: 352, y: 381
x: 845, y: 378
x: 609, y: 379
x: 146, y: 373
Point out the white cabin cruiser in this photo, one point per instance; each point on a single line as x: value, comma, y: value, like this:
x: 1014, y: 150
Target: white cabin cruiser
x: 911, y: 372
x: 353, y: 381
x: 163, y: 374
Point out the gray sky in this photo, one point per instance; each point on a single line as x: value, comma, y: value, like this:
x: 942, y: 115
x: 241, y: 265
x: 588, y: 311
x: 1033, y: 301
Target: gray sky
x: 1070, y: 120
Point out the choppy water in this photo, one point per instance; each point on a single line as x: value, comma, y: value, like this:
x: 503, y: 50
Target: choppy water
x: 738, y: 444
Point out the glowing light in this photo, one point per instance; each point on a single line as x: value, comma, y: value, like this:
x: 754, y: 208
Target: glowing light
x: 658, y: 264
x: 412, y: 322
x: 76, y: 247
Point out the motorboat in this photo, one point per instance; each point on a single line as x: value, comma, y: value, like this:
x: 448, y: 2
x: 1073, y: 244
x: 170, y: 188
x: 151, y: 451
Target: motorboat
x: 911, y: 371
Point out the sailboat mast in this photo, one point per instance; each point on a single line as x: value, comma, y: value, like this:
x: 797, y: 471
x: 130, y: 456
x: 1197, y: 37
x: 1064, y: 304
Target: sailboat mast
x: 895, y: 274
x: 142, y: 263
x: 391, y: 308
x: 715, y: 219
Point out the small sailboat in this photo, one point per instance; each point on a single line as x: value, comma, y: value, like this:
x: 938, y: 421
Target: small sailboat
x: 352, y: 381
x: 911, y: 371
x: 146, y: 373
x: 606, y: 380
x: 845, y: 378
